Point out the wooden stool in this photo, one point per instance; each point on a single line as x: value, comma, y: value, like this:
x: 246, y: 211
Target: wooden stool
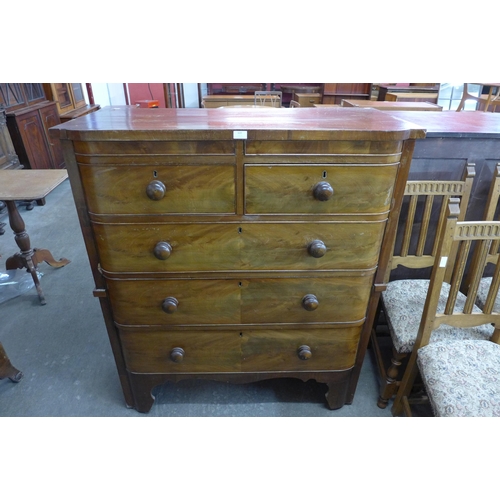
x: 18, y: 185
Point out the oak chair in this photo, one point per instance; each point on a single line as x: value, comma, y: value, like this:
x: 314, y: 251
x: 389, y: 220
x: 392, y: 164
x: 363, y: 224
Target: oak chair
x: 403, y: 300
x: 483, y: 103
x: 456, y: 350
x: 268, y: 98
x: 490, y: 214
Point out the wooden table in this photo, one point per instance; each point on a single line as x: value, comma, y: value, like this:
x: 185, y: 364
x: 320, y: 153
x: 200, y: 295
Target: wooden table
x: 16, y: 185
x: 391, y: 105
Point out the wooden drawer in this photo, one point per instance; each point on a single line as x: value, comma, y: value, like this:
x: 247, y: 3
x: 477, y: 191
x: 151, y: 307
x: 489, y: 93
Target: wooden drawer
x: 240, y: 350
x: 342, y: 298
x: 187, y: 189
x: 354, y: 151
x: 291, y: 189
x: 201, y: 247
x: 307, y: 100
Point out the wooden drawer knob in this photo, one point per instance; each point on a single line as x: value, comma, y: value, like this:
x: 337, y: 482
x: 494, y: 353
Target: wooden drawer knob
x: 177, y: 354
x: 310, y: 302
x: 316, y: 249
x: 156, y: 190
x: 304, y: 352
x: 162, y: 250
x: 170, y: 305
x: 322, y: 191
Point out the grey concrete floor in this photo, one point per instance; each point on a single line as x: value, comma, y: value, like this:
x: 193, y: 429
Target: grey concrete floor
x: 63, y: 351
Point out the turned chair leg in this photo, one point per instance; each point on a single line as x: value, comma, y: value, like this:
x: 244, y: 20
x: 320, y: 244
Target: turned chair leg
x: 389, y: 386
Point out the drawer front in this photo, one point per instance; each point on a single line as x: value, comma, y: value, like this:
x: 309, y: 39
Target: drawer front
x: 137, y: 190
x: 353, y: 189
x: 235, y: 351
x: 377, y: 151
x: 175, y: 247
x: 251, y: 301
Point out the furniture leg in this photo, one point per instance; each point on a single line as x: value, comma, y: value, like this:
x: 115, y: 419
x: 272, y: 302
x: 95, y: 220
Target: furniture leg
x: 6, y: 368
x: 23, y: 242
x: 41, y: 254
x: 389, y: 385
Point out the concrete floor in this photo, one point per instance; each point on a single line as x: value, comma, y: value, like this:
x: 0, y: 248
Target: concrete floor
x: 63, y: 350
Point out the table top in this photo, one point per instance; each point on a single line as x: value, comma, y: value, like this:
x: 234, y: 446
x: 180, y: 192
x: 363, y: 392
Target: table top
x: 29, y: 184
x: 391, y: 105
x: 463, y: 124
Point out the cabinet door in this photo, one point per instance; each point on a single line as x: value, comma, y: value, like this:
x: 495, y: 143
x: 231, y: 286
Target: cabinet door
x: 50, y: 118
x: 78, y: 97
x: 34, y: 142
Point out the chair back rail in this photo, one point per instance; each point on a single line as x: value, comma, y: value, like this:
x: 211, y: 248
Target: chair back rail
x: 429, y: 194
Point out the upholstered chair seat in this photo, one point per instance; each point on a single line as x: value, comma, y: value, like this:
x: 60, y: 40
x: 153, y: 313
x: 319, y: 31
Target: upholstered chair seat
x: 404, y: 304
x: 462, y: 378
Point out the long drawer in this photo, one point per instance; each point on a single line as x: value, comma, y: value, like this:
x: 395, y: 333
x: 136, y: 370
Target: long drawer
x: 202, y: 247
x: 239, y: 351
x: 318, y: 189
x: 342, y: 298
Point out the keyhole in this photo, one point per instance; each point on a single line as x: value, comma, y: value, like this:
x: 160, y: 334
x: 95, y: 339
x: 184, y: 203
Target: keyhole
x: 240, y: 230
x: 155, y: 173
x: 324, y: 174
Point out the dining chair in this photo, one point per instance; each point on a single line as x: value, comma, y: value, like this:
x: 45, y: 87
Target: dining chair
x: 457, y: 351
x: 483, y: 103
x: 268, y: 98
x: 490, y: 214
x: 402, y: 301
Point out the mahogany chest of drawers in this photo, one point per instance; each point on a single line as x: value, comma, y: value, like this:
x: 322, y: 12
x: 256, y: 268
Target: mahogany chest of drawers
x: 238, y: 244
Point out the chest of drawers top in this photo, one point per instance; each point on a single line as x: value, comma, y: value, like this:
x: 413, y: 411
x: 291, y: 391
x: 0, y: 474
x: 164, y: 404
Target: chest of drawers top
x: 115, y: 123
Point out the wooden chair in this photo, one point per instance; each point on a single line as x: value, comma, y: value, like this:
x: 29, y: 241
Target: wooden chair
x: 490, y: 214
x: 456, y: 350
x: 294, y: 104
x: 403, y: 300
x: 483, y: 103
x: 268, y: 98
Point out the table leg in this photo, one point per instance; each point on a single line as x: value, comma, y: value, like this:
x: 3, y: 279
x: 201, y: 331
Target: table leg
x: 25, y: 258
x: 6, y: 368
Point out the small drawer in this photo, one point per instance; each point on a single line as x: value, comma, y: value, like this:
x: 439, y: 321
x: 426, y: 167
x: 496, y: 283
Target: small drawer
x: 198, y: 247
x: 239, y: 350
x: 343, y: 298
x: 319, y: 189
x: 157, y: 190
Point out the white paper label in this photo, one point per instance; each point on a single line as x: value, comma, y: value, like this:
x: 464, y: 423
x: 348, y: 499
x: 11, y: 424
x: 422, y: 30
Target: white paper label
x: 443, y: 262
x: 239, y: 134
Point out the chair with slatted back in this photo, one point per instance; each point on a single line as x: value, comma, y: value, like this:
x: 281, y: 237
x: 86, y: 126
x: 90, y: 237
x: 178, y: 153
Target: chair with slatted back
x: 268, y: 98
x: 490, y: 214
x: 483, y: 102
x: 457, y: 351
x: 403, y: 300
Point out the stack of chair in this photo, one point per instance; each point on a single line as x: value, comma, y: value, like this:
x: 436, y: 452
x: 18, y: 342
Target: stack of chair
x: 402, y: 303
x: 460, y: 374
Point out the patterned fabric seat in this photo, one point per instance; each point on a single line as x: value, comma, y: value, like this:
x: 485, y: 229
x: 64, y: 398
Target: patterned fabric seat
x: 404, y: 304
x: 482, y: 293
x: 462, y: 378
